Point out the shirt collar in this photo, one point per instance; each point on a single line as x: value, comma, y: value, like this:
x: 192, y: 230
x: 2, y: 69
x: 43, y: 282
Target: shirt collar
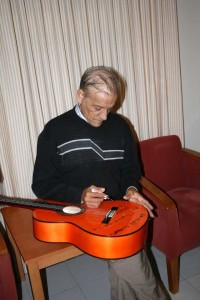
x: 79, y: 113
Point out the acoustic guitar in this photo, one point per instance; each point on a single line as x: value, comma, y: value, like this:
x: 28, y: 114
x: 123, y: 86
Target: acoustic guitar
x: 117, y: 229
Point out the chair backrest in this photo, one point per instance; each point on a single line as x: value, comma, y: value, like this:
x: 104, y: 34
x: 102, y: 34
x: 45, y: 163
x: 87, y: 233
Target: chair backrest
x: 161, y: 161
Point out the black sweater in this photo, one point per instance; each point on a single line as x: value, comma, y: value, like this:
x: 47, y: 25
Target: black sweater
x: 72, y: 155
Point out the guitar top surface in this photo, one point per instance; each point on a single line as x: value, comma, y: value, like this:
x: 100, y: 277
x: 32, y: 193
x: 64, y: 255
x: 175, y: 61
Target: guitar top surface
x: 112, y: 218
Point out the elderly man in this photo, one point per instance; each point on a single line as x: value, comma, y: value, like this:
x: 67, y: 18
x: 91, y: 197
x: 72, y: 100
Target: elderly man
x: 88, y: 153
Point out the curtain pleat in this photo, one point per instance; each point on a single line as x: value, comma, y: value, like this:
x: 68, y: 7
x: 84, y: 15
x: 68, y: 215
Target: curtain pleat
x: 45, y: 46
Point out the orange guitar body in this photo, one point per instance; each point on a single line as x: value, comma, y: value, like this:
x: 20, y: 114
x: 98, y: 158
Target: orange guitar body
x: 120, y: 235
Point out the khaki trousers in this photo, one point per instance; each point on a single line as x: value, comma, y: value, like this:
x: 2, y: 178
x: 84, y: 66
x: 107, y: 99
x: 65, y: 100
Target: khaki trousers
x: 132, y: 279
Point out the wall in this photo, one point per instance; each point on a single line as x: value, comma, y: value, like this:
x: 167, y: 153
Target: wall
x: 189, y: 37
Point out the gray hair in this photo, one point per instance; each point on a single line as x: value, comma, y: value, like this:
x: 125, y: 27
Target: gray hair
x: 99, y: 77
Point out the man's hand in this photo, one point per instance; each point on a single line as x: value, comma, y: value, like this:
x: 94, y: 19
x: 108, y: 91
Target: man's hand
x: 133, y: 196
x: 93, y: 196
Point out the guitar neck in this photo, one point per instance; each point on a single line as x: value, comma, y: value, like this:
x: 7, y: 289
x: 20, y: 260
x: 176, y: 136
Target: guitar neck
x: 31, y: 204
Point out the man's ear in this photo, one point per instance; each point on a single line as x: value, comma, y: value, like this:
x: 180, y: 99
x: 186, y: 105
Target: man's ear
x: 80, y: 95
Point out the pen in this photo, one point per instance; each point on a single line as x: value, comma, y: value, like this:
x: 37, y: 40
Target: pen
x: 106, y: 197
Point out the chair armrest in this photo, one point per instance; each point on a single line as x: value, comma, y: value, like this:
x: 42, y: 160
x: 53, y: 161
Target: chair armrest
x: 164, y: 232
x: 191, y: 165
x: 192, y: 153
x: 156, y: 195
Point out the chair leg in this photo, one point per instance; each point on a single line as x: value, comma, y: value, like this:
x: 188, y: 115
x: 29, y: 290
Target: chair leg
x: 173, y: 274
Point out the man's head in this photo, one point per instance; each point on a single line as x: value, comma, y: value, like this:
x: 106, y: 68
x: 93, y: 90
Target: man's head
x: 98, y: 93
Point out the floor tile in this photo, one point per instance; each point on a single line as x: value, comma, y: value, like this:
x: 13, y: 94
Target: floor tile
x: 59, y: 278
x: 86, y: 268
x: 26, y: 291
x: 28, y: 288
x: 186, y: 292
x: 72, y: 294
x: 98, y: 289
x: 190, y: 263
x: 195, y: 282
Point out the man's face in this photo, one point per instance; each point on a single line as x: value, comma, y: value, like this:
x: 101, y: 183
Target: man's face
x: 96, y: 105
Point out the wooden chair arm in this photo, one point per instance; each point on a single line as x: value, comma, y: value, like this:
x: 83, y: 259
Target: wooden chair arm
x: 191, y: 164
x: 192, y: 153
x: 153, y: 191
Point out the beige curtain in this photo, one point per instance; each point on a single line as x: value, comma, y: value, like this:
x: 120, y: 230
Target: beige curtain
x: 45, y: 45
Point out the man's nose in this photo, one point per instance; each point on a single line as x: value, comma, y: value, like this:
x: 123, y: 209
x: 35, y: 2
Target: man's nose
x: 104, y: 115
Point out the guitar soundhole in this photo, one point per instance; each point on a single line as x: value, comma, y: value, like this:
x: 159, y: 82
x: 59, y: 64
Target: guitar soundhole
x: 72, y: 210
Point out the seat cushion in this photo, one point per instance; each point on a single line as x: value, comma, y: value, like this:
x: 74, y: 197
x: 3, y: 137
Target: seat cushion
x: 188, y: 205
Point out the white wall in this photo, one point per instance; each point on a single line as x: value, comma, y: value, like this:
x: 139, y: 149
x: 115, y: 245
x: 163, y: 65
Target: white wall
x: 189, y: 37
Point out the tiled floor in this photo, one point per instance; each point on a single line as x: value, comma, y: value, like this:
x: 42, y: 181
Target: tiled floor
x: 86, y: 278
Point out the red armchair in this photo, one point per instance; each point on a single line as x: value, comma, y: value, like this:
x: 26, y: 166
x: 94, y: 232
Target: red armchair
x: 172, y: 182
x: 8, y: 289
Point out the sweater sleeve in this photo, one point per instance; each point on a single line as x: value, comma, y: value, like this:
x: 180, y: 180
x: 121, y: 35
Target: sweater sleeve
x: 131, y: 172
x: 47, y: 181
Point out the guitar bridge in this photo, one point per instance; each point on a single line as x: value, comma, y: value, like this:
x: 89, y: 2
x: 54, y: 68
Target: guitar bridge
x: 109, y: 215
